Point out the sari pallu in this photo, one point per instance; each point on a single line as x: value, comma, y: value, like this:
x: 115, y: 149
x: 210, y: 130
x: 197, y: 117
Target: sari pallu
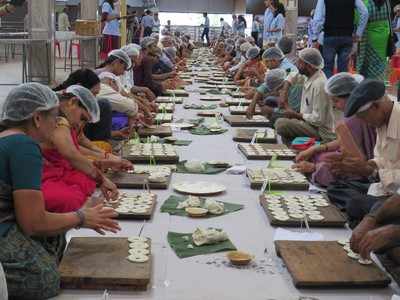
x: 372, y: 57
x: 30, y: 263
x: 64, y: 188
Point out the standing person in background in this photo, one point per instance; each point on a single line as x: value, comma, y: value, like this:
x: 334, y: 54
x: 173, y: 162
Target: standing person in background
x: 311, y: 26
x: 234, y: 24
x: 268, y: 17
x: 242, y: 25
x: 226, y: 28
x: 372, y: 56
x: 147, y: 24
x: 156, y: 26
x: 110, y: 19
x: 206, y: 29
x: 277, y: 25
x: 255, y: 29
x: 63, y: 21
x: 134, y: 27
x: 168, y: 28
x: 337, y: 19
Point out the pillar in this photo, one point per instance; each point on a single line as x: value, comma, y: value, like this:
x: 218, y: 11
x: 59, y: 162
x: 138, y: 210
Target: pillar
x: 291, y: 17
x: 90, y: 48
x: 123, y: 30
x: 40, y: 55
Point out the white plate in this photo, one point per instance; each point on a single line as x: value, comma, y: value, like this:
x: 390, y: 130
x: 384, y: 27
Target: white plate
x: 199, y: 188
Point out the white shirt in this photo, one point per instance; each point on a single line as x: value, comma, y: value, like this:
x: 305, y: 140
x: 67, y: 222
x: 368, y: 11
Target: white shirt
x: 111, y: 27
x: 63, y: 22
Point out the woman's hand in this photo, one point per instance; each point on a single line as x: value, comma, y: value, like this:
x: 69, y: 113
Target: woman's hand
x: 306, y: 154
x: 109, y: 189
x: 100, y: 219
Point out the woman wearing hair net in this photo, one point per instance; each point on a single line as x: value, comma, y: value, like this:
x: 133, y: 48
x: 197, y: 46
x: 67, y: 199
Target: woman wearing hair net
x: 69, y: 177
x: 252, y: 71
x: 313, y: 161
x: 28, y: 117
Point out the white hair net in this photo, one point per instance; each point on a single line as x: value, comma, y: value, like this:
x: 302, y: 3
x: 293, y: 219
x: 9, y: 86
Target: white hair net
x: 253, y: 52
x: 275, y: 78
x: 342, y: 84
x: 147, y: 42
x: 171, y: 52
x: 26, y: 99
x: 120, y: 54
x: 87, y: 99
x: 312, y: 57
x: 108, y: 75
x: 273, y: 53
x: 245, y: 46
x: 229, y: 48
x: 131, y: 50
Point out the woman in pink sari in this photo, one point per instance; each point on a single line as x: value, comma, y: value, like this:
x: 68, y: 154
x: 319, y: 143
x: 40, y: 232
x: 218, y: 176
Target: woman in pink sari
x: 359, y: 137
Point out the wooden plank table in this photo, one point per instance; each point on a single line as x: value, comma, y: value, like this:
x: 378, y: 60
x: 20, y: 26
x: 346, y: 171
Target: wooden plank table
x: 257, y: 178
x: 160, y: 131
x: 124, y: 180
x: 242, y: 121
x: 324, y: 264
x: 241, y: 110
x: 100, y: 263
x: 246, y: 136
x: 266, y: 151
x: 333, y: 217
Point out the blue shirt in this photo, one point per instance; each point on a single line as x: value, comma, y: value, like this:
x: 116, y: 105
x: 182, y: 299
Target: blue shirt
x: 277, y: 22
x: 148, y: 21
x: 111, y: 27
x: 319, y: 18
x: 206, y: 22
x: 268, y: 17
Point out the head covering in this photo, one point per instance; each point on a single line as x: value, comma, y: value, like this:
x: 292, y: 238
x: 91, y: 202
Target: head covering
x: 250, y: 39
x: 342, y: 84
x: 166, y: 38
x: 274, y: 79
x: 245, y: 46
x: 312, y: 57
x: 286, y: 44
x: 363, y: 96
x: 120, y: 54
x: 171, y: 52
x: 273, y: 53
x: 147, y: 42
x: 87, y: 99
x: 26, y: 99
x: 396, y: 8
x: 253, y: 52
x: 131, y: 50
x: 229, y: 48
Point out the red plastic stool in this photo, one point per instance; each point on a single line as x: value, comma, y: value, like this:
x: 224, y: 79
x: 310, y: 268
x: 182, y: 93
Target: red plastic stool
x: 57, y: 47
x: 78, y: 49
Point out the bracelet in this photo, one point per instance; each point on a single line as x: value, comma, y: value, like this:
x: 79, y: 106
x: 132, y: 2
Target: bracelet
x: 81, y: 216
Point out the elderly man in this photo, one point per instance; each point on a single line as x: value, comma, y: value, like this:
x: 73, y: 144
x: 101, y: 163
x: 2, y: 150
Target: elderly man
x: 369, y: 103
x: 316, y: 118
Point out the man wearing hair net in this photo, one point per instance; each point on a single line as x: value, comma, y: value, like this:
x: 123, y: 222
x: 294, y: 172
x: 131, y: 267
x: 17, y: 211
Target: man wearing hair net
x: 379, y: 229
x: 316, y: 118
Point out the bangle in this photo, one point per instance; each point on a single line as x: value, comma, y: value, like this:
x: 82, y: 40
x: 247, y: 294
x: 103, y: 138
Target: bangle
x: 81, y: 216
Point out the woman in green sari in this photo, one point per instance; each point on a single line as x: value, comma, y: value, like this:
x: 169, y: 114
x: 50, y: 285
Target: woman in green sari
x: 372, y: 57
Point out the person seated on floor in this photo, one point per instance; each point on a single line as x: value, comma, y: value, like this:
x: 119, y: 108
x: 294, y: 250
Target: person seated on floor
x: 143, y: 70
x: 127, y: 80
x: 32, y: 239
x: 69, y: 177
x: 273, y: 58
x: 252, y: 71
x: 313, y: 160
x: 228, y: 55
x: 99, y: 133
x: 370, y: 103
x: 240, y: 58
x: 315, y: 119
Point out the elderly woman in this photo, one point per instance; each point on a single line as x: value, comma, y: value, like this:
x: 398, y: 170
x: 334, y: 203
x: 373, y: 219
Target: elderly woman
x: 69, y: 177
x: 351, y: 130
x: 252, y: 69
x: 31, y: 238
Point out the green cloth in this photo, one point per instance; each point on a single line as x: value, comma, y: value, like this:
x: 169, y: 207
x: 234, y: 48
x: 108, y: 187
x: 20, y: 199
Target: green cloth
x: 209, y: 169
x: 200, y: 106
x: 169, y: 206
x: 179, y: 244
x: 203, y: 130
x: 20, y: 166
x: 372, y: 57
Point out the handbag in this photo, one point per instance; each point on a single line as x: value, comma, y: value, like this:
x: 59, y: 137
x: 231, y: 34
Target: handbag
x: 391, y: 45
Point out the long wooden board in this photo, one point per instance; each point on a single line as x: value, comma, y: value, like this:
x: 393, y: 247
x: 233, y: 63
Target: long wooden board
x: 324, y: 264
x: 241, y: 110
x: 257, y: 183
x: 124, y: 180
x: 236, y: 102
x: 333, y: 217
x: 161, y: 131
x: 261, y: 156
x: 242, y: 121
x: 100, y: 263
x: 137, y: 216
x: 246, y: 136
